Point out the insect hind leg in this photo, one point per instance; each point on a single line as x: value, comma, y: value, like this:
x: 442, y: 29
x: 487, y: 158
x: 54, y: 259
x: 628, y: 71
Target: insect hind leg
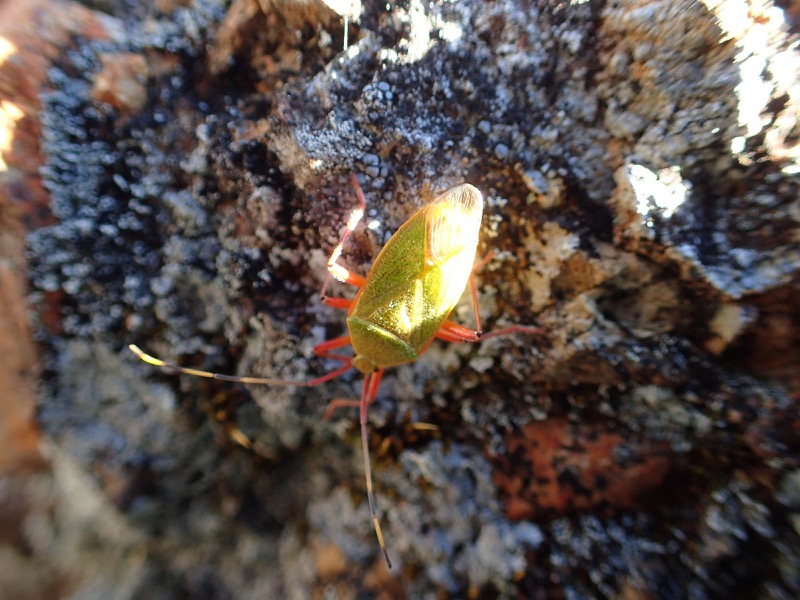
x: 450, y: 331
x: 336, y: 403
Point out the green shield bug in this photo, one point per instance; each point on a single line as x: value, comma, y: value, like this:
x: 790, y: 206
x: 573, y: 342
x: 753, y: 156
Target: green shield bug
x: 401, y: 306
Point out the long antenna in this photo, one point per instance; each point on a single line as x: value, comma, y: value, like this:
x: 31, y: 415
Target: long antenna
x: 366, y: 391
x: 157, y: 362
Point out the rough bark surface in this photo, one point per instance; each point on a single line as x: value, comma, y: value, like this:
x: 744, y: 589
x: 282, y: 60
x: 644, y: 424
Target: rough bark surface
x: 178, y: 172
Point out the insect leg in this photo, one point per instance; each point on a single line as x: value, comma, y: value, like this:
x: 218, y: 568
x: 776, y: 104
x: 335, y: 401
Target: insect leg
x: 337, y: 302
x: 450, y: 331
x: 485, y: 336
x: 336, y: 270
x: 324, y: 349
x: 473, y: 290
x: 368, y: 392
x: 375, y: 382
x: 514, y: 329
x: 474, y: 293
x: 453, y: 332
x: 338, y: 403
x: 483, y: 262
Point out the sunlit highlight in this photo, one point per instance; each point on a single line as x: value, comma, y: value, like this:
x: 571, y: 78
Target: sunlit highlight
x: 664, y: 190
x: 10, y: 113
x: 7, y: 48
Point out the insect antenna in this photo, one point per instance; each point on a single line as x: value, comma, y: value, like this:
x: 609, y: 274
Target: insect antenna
x: 157, y: 362
x: 368, y: 391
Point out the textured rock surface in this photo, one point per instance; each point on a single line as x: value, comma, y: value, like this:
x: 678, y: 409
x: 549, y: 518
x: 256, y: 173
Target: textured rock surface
x: 640, y: 166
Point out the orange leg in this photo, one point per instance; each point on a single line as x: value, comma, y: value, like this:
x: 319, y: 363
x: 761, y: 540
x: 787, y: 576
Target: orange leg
x: 324, y: 349
x: 450, y: 331
x: 336, y: 270
x: 473, y: 290
x: 483, y: 262
x: 375, y: 381
x: 514, y: 329
x: 337, y: 302
x: 453, y: 332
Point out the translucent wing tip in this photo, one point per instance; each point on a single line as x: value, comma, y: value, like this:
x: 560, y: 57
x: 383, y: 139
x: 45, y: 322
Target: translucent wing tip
x: 453, y: 221
x: 466, y: 196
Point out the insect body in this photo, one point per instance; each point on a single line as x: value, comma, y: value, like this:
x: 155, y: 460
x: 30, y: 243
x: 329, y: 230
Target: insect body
x: 402, y: 304
x: 416, y: 281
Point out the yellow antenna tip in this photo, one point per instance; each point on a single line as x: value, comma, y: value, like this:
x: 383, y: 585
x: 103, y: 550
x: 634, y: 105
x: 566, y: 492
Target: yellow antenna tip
x: 144, y: 356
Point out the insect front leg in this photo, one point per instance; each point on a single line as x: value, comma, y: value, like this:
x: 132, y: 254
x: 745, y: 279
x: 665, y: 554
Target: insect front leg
x: 335, y: 270
x: 343, y: 303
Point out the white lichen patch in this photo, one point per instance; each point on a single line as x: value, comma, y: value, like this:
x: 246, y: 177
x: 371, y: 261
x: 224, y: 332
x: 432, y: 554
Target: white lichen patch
x: 728, y: 322
x: 548, y: 250
x: 545, y: 190
x: 644, y: 195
